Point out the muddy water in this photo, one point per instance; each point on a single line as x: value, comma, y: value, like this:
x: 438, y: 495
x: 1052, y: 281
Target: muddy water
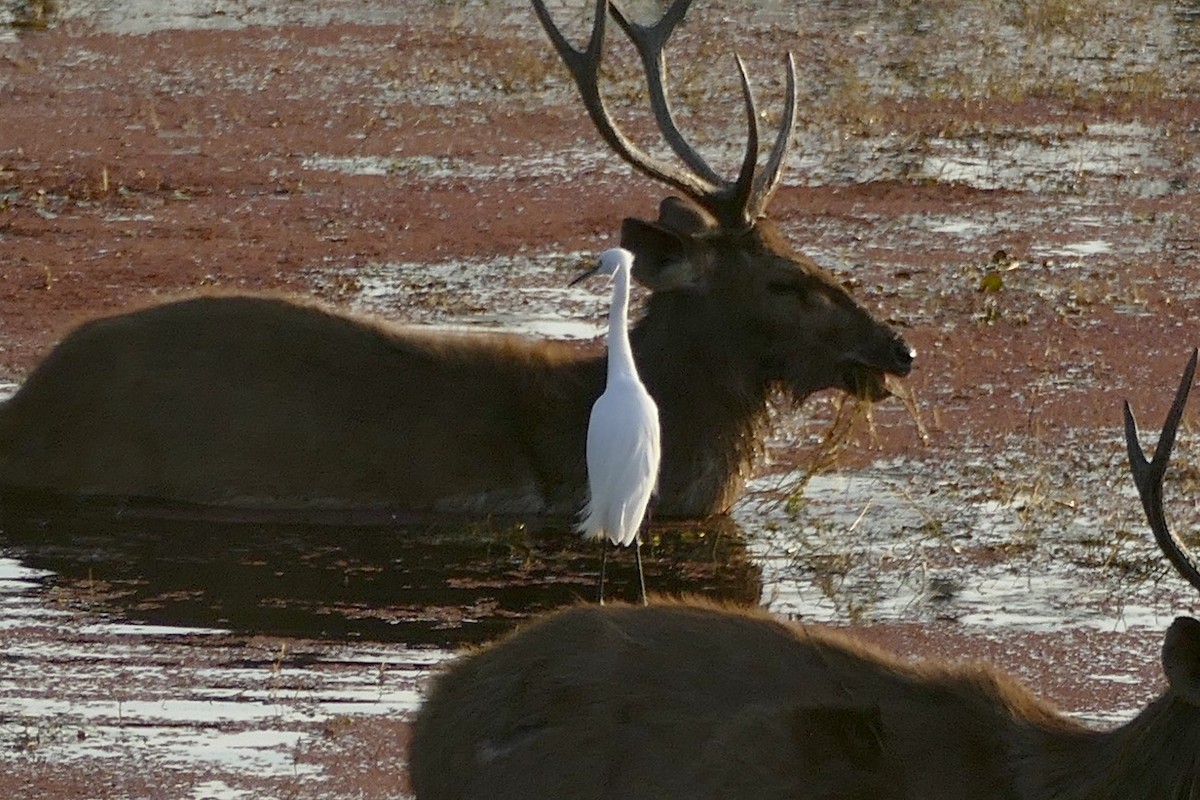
x: 436, y: 581
x: 104, y: 688
x: 268, y: 658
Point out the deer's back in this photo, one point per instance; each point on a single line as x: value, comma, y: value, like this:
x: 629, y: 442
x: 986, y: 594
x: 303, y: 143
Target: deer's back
x: 675, y: 702
x: 265, y: 401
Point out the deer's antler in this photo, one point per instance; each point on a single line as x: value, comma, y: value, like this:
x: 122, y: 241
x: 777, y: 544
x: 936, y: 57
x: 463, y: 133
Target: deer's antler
x: 735, y: 204
x: 1148, y: 475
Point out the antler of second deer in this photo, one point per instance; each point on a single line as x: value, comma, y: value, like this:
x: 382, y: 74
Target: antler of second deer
x: 1148, y: 475
x: 735, y: 204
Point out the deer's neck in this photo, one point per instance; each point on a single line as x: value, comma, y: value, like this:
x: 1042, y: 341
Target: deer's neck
x: 711, y: 405
x: 1156, y: 755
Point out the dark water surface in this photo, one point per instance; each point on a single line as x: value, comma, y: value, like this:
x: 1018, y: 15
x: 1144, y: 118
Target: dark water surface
x: 437, y: 581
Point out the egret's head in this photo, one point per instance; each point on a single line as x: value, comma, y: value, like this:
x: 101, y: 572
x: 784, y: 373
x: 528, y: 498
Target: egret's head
x: 610, y: 261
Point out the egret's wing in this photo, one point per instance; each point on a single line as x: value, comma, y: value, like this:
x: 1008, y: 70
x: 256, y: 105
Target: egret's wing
x: 623, y: 453
x: 607, y: 443
x: 643, y: 471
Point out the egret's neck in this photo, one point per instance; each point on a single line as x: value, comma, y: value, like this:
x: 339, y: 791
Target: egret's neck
x: 620, y: 354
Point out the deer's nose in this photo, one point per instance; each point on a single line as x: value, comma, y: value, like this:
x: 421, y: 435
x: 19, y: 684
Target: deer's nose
x: 903, y: 358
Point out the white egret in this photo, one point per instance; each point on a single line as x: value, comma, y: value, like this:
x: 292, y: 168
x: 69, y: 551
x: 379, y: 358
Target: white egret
x: 623, y: 449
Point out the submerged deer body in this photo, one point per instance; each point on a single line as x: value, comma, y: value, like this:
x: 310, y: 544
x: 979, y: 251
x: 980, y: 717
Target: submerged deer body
x: 691, y: 701
x: 261, y: 402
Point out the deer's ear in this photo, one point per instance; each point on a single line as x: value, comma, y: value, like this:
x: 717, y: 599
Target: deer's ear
x: 660, y: 256
x: 1181, y: 659
x: 686, y: 218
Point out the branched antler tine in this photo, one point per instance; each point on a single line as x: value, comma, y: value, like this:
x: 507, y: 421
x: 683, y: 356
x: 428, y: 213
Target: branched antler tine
x: 650, y: 42
x: 576, y: 60
x: 744, y: 186
x: 1148, y: 476
x: 769, y: 179
x: 584, y: 66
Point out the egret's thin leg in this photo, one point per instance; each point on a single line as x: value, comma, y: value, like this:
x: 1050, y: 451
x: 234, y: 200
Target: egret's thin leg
x: 603, y: 564
x: 637, y: 544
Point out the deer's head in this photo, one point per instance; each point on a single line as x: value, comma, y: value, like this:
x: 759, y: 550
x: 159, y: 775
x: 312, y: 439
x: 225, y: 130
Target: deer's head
x: 715, y: 256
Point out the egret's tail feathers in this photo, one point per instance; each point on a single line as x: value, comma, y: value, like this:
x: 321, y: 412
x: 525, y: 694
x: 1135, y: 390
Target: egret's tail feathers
x: 621, y: 527
x: 589, y: 523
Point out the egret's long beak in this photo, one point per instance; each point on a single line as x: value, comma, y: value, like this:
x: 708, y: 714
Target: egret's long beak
x: 585, y: 275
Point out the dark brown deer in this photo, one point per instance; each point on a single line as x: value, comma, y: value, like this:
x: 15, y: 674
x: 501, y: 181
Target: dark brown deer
x: 262, y: 402
x: 693, y: 701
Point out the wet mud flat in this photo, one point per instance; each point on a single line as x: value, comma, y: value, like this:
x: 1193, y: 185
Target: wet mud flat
x: 1011, y: 184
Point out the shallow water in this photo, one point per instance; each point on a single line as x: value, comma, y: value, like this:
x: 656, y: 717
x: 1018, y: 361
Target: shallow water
x: 900, y: 543
x: 528, y: 295
x: 80, y: 686
x: 436, y: 581
x: 234, y: 644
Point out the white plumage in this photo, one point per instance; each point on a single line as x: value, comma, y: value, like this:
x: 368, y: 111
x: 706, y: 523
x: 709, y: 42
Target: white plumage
x: 622, y: 458
x: 623, y: 450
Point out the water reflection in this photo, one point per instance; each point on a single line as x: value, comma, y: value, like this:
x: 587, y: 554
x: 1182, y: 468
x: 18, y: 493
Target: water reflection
x: 426, y: 581
x: 1187, y: 28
